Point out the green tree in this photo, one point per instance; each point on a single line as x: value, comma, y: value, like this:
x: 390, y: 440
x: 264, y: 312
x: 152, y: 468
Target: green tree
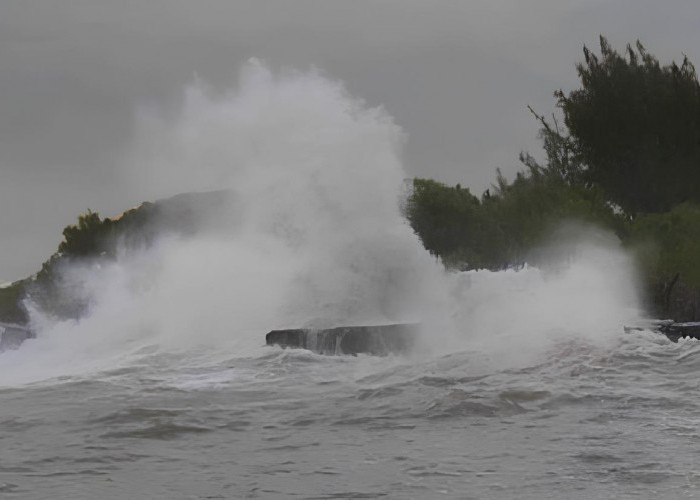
x: 667, y: 245
x: 503, y: 228
x: 635, y: 125
x: 87, y: 238
x: 444, y: 218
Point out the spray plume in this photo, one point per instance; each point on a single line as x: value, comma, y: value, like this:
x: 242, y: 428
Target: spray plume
x: 314, y: 238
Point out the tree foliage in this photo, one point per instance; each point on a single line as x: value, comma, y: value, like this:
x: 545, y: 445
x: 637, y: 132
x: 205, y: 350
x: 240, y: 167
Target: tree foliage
x: 635, y: 125
x: 504, y: 227
x: 670, y: 242
x: 445, y: 218
x: 667, y: 245
x: 95, y: 241
x: 88, y: 237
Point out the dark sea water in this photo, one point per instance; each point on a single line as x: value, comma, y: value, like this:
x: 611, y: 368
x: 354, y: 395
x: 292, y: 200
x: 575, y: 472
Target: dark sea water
x: 582, y: 422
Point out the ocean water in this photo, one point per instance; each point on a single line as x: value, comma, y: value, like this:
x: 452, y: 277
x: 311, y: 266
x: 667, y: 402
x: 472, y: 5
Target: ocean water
x: 523, y: 384
x: 583, y: 422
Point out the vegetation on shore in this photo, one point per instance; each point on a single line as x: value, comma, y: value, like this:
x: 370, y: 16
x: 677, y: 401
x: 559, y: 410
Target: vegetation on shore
x: 627, y: 159
x: 96, y: 240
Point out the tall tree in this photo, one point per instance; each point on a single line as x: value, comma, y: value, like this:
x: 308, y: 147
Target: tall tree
x: 635, y: 125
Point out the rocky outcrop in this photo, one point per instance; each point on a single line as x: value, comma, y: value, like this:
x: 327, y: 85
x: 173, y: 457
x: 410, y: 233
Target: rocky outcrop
x: 12, y: 336
x: 675, y: 331
x: 378, y: 340
x: 672, y: 329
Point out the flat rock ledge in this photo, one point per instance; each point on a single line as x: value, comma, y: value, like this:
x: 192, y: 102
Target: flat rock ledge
x: 377, y: 340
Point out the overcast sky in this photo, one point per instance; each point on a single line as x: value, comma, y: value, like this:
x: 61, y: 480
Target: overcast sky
x: 456, y: 75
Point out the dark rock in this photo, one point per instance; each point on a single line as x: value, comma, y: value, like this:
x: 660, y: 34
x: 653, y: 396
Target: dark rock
x: 379, y: 340
x: 675, y: 331
x: 13, y: 336
x: 670, y: 328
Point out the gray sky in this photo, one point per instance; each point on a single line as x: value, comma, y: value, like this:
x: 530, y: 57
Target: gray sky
x: 456, y: 75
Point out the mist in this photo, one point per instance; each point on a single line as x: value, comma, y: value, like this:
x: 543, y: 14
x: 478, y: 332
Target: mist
x: 581, y: 287
x: 314, y: 237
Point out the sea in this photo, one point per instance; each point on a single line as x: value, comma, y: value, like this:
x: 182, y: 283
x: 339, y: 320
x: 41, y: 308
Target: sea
x: 523, y: 385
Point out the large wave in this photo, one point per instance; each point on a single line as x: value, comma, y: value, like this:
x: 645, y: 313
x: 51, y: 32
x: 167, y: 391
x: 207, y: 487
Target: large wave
x: 315, y: 238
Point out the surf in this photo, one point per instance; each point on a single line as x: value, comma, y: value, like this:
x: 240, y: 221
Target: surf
x: 315, y: 238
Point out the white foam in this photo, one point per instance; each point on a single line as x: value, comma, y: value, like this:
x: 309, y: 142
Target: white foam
x: 317, y: 233
x: 316, y: 237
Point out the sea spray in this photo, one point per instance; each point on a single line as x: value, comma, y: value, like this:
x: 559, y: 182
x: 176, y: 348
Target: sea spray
x: 314, y: 238
x: 583, y: 290
x: 318, y: 179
